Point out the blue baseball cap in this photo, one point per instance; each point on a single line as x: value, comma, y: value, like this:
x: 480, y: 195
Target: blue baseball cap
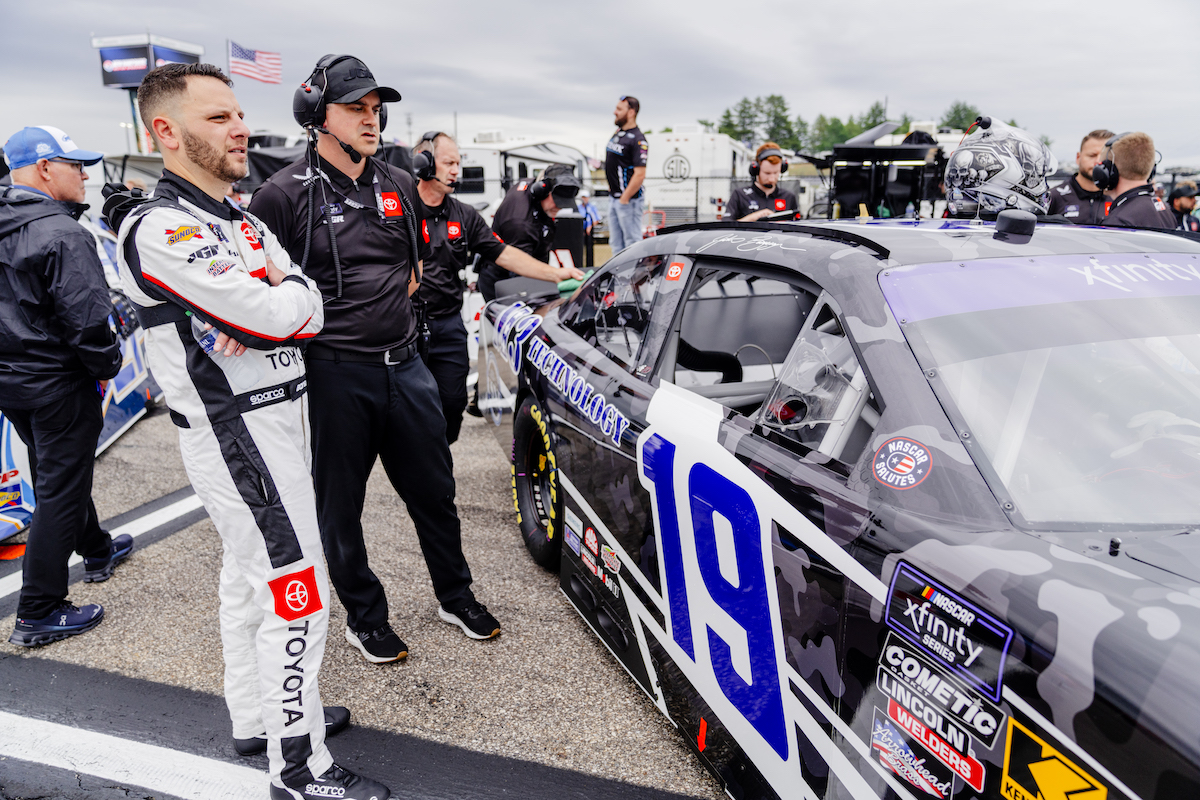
x: 28, y: 145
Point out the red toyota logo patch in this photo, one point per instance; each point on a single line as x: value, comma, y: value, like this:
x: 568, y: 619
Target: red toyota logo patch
x: 674, y: 271
x: 453, y: 230
x: 780, y: 205
x: 425, y: 230
x: 296, y: 595
x: 391, y: 205
x: 251, y: 236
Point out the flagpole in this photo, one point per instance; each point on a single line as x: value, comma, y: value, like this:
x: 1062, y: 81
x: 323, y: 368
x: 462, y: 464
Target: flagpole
x: 228, y: 56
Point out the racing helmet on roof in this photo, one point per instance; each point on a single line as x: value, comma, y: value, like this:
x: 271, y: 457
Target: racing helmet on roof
x: 997, y: 167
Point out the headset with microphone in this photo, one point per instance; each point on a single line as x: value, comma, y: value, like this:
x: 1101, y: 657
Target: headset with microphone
x: 756, y: 165
x: 551, y: 179
x: 1105, y: 174
x: 309, y: 103
x: 424, y: 164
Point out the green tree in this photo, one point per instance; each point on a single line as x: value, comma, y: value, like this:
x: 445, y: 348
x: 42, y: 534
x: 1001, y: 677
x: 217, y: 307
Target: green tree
x: 959, y: 115
x: 828, y: 131
x: 1046, y: 140
x: 873, y: 116
x: 802, y: 135
x: 776, y: 122
x: 708, y: 125
x: 905, y: 124
x: 667, y: 129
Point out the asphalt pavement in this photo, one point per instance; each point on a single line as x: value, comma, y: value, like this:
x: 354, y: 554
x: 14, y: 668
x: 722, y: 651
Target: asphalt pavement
x: 542, y: 711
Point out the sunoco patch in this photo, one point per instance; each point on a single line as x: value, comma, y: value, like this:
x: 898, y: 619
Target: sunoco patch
x: 902, y: 463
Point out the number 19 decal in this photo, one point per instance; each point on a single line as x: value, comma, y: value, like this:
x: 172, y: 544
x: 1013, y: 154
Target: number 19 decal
x: 720, y: 587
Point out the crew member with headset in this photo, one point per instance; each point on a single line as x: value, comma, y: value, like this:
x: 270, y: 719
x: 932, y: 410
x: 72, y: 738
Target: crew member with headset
x: 350, y: 221
x: 1124, y: 175
x: 765, y: 196
x: 453, y: 231
x: 525, y: 219
x: 1183, y: 202
x: 1078, y: 199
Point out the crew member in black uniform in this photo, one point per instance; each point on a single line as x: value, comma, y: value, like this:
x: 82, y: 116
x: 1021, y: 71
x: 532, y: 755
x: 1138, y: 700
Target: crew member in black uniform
x: 765, y: 196
x: 525, y: 219
x: 349, y: 220
x: 1125, y: 176
x: 1183, y: 201
x: 453, y: 231
x: 1079, y: 200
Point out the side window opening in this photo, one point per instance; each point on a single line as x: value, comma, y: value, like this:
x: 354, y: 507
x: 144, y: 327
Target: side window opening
x: 822, y: 399
x: 614, y: 310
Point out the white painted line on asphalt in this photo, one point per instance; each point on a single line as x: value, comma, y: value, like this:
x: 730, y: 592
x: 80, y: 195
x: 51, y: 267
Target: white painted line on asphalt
x: 135, y: 528
x: 127, y: 762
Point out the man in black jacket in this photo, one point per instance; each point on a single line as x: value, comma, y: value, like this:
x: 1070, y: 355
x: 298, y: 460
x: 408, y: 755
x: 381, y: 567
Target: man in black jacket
x: 1079, y: 199
x: 453, y: 231
x: 1134, y: 204
x: 1183, y: 201
x: 56, y: 351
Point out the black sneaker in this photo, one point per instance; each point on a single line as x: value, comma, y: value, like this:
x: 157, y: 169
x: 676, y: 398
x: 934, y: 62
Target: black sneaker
x: 66, y: 620
x: 474, y: 620
x: 97, y: 570
x: 336, y: 720
x: 336, y: 782
x: 380, y: 645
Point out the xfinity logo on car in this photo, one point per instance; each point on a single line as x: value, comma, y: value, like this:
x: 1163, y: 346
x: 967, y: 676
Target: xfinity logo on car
x: 968, y: 640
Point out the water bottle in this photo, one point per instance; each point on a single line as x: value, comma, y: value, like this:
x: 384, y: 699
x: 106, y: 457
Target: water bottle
x: 243, y: 374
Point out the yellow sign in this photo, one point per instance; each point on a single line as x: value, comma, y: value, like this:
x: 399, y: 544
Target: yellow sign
x: 1034, y: 770
x: 12, y: 497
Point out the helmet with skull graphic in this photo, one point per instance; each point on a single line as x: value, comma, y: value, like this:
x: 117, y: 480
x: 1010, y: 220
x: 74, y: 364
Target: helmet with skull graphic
x: 996, y: 167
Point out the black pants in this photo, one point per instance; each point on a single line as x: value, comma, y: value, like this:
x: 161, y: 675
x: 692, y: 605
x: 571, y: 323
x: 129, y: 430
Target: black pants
x: 589, y: 251
x: 61, y: 437
x: 358, y: 412
x: 450, y: 364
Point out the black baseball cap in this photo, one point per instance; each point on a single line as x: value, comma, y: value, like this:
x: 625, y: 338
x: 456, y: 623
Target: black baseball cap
x: 349, y: 80
x: 563, y: 185
x: 1186, y: 189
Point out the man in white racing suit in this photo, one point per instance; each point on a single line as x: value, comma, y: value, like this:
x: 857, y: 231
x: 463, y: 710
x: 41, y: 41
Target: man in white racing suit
x: 242, y: 412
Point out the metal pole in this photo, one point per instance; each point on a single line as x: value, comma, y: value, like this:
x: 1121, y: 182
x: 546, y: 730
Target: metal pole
x: 137, y: 126
x: 456, y: 126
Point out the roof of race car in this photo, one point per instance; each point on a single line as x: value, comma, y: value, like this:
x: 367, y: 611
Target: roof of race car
x: 900, y: 242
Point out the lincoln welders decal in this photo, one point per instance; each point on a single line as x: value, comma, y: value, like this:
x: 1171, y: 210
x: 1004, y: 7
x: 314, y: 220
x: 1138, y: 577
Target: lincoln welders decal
x: 519, y: 322
x: 908, y: 760
x: 943, y: 703
x: 902, y: 463
x: 957, y: 633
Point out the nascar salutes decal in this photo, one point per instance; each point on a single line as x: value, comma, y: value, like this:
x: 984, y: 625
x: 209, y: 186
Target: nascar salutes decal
x: 908, y: 761
x: 956, y: 633
x: 902, y: 463
x: 296, y: 594
x: 182, y: 234
x: 392, y: 207
x: 1034, y: 769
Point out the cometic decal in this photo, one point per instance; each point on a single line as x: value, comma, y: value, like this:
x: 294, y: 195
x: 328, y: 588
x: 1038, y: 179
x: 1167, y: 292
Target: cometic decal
x: 959, y: 635
x: 516, y: 325
x: 902, y: 463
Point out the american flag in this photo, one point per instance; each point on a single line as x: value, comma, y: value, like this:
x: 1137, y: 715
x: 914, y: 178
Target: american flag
x: 257, y: 64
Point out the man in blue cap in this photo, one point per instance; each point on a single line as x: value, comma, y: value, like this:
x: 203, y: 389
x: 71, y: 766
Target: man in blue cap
x: 56, y: 349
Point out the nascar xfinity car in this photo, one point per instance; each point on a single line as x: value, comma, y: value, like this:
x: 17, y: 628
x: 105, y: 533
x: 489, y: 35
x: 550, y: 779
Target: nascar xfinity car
x: 880, y: 510
x: 126, y: 399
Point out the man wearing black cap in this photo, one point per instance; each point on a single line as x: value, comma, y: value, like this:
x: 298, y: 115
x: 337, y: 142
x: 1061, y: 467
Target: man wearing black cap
x: 350, y: 220
x: 55, y: 344
x: 1183, y: 201
x: 453, y: 231
x: 525, y: 219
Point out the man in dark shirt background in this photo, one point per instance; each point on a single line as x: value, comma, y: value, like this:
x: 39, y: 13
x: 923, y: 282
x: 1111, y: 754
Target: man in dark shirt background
x: 625, y: 168
x: 765, y: 196
x: 1183, y: 201
x: 370, y: 394
x: 453, y: 231
x: 525, y: 220
x: 1079, y: 199
x: 55, y: 346
x: 1133, y: 202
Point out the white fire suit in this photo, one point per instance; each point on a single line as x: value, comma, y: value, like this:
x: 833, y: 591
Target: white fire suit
x: 246, y: 450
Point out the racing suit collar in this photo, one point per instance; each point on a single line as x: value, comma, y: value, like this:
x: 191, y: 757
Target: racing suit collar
x: 177, y: 187
x: 1136, y: 191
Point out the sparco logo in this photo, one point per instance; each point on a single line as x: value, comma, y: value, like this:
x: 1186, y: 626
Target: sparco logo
x: 956, y: 633
x: 316, y: 790
x: 267, y: 397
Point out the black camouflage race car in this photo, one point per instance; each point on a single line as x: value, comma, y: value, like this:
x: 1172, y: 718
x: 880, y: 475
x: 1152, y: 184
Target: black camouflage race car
x: 880, y: 510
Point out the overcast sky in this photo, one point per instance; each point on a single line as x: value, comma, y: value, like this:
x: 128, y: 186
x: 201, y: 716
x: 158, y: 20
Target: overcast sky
x: 555, y: 70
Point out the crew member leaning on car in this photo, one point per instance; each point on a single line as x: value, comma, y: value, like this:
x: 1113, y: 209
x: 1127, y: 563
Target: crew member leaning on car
x: 453, y: 231
x: 764, y: 196
x: 525, y: 219
x: 1079, y: 200
x: 1134, y: 204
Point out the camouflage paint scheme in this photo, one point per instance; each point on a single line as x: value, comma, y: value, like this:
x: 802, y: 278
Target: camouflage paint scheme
x: 1095, y: 695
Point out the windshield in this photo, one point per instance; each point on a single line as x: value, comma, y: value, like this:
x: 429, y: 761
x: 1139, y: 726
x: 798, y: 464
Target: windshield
x: 1077, y: 379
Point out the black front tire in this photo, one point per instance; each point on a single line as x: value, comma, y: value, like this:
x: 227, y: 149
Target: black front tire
x: 535, y: 485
